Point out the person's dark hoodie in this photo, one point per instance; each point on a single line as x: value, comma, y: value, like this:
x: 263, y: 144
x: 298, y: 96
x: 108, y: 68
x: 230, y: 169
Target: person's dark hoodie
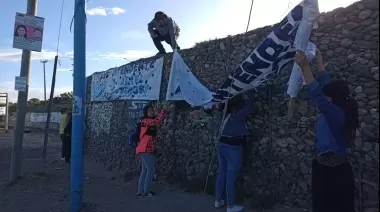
x: 69, y: 126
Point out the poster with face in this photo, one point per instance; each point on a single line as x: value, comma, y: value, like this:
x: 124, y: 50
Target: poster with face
x: 28, y: 32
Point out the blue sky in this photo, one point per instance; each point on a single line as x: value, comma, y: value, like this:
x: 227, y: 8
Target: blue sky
x: 117, y: 29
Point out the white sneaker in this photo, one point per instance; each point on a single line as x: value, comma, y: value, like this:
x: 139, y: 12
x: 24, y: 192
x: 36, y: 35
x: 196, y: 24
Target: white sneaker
x: 235, y: 208
x: 219, y: 204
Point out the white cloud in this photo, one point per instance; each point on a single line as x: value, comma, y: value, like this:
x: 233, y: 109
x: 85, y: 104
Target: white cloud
x: 116, y: 11
x: 34, y: 92
x: 129, y: 54
x: 13, y: 55
x: 102, y: 11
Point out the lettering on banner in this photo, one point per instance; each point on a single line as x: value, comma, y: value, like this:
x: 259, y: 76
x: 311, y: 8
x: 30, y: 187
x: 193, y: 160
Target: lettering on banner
x: 135, y: 111
x: 132, y: 81
x: 274, y: 53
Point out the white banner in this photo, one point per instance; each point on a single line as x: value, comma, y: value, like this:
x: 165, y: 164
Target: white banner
x: 183, y: 85
x: 296, y: 80
x: 42, y: 117
x: 140, y: 81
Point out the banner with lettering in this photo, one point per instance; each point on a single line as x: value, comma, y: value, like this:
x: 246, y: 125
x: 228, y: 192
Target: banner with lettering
x: 141, y: 81
x: 134, y: 111
x: 42, y: 117
x: 183, y: 85
x: 275, y: 52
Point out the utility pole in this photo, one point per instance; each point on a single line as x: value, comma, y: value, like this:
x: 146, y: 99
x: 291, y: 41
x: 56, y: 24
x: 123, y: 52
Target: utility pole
x: 18, y: 135
x: 47, y: 126
x: 79, y: 101
x: 44, y: 63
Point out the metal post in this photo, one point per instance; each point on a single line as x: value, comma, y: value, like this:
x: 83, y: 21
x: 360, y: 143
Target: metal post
x: 47, y: 126
x: 6, y: 121
x: 77, y: 172
x: 44, y: 63
x: 18, y: 136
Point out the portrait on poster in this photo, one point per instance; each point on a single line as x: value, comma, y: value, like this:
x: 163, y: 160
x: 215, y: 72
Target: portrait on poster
x: 28, y: 32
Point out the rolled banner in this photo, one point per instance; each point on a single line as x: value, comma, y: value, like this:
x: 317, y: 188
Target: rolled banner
x: 310, y: 13
x: 296, y: 80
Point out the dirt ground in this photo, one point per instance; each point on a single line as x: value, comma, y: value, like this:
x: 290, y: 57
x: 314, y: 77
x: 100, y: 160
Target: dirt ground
x: 104, y: 191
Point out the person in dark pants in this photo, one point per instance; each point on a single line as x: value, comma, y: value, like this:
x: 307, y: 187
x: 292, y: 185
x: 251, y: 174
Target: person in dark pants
x: 62, y: 125
x: 333, y: 187
x: 67, y: 138
x: 230, y: 151
x: 163, y: 28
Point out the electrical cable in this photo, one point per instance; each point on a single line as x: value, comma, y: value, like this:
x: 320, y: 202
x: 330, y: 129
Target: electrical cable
x: 60, y: 25
x: 249, y: 17
x: 77, y: 5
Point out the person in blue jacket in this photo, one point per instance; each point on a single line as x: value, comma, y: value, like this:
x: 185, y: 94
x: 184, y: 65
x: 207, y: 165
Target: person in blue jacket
x: 333, y: 185
x: 230, y: 150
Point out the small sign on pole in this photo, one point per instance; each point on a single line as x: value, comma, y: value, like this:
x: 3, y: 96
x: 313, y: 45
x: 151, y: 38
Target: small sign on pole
x: 20, y: 84
x: 28, y: 32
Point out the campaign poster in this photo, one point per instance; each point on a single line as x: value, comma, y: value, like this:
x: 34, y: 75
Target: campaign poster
x: 28, y: 32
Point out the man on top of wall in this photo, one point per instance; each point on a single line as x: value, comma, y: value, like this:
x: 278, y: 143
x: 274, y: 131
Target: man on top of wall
x: 163, y: 28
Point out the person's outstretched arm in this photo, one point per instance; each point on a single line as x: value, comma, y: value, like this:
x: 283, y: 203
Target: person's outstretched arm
x: 155, y: 121
x: 321, y: 76
x: 331, y: 111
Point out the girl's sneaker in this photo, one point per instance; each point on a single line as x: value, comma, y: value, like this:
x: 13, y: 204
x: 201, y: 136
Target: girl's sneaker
x: 139, y: 195
x: 235, y: 208
x: 219, y: 204
x: 150, y: 194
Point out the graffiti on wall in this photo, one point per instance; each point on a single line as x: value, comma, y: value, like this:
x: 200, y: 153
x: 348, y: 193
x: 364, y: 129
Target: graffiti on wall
x: 140, y: 81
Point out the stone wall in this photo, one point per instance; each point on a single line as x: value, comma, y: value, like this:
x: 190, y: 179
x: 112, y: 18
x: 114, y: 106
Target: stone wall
x: 279, y: 152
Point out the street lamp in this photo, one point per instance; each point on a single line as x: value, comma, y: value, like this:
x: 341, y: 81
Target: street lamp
x: 44, y: 63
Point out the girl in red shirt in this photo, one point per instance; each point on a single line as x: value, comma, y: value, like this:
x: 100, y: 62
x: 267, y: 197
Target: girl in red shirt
x: 146, y: 149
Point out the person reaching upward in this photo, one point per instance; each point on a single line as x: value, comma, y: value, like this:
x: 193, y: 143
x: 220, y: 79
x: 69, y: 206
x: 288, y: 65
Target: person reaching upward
x: 163, y: 28
x: 146, y: 149
x: 333, y: 186
x: 230, y: 150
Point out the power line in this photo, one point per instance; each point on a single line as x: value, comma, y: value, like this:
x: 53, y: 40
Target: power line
x: 60, y: 25
x: 249, y: 17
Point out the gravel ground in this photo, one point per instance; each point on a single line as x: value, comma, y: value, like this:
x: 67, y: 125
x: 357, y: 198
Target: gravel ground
x: 104, y: 191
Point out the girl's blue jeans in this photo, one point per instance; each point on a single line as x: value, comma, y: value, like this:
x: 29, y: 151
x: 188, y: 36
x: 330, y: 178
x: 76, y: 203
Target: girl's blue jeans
x: 230, y: 159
